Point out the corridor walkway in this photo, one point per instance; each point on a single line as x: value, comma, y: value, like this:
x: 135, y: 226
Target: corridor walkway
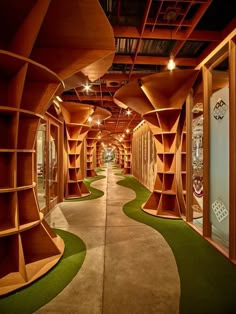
x: 128, y: 269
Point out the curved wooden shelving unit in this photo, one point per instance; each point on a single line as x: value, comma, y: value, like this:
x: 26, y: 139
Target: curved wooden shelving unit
x: 76, y: 117
x: 77, y: 127
x: 159, y: 99
x: 126, y: 142
x: 49, y: 48
x: 164, y: 199
x: 28, y: 248
x: 91, y: 141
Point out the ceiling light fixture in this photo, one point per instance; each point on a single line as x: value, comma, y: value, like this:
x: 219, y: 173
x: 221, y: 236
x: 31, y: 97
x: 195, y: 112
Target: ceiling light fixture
x: 56, y: 103
x: 171, y: 64
x: 59, y: 98
x: 87, y: 87
x: 128, y: 112
x: 90, y: 119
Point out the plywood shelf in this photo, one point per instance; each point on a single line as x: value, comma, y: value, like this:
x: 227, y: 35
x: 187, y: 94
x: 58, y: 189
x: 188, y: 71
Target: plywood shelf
x: 91, y: 152
x: 164, y: 201
x: 76, y: 130
x: 25, y: 89
x: 127, y: 155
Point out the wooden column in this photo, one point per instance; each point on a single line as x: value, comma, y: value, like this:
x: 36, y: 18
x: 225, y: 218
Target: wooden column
x: 189, y: 167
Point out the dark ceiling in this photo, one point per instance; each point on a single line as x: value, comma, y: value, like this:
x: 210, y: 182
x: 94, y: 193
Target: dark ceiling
x: 146, y: 34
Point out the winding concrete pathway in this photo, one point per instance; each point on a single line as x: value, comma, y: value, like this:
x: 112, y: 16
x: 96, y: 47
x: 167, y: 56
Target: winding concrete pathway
x: 129, y: 267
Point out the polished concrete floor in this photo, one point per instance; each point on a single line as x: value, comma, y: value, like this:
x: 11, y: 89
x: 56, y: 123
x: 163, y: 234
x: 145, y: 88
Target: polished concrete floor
x: 129, y: 267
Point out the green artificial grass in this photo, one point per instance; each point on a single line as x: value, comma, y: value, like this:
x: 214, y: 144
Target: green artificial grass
x: 208, y: 279
x: 30, y: 298
x: 95, y: 193
x: 100, y: 169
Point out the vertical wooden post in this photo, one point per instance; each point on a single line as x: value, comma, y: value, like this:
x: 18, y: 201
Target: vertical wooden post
x: 189, y: 168
x: 207, y: 89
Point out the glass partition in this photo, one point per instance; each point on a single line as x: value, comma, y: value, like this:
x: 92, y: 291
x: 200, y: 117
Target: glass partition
x: 219, y: 159
x: 41, y: 164
x: 53, y: 161
x: 197, y: 164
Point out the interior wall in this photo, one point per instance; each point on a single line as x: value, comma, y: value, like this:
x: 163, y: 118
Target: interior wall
x: 144, y: 163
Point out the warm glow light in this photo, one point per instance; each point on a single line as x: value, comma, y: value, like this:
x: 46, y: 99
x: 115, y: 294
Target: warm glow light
x: 90, y: 119
x: 98, y: 122
x: 99, y: 136
x: 56, y: 103
x: 171, y: 64
x: 128, y: 112
x: 87, y: 87
x: 127, y: 130
x: 59, y: 98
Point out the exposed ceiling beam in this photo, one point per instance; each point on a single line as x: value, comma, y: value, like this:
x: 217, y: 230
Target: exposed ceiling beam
x: 147, y: 9
x: 96, y: 88
x: 153, y: 60
x: 132, y: 32
x: 86, y: 98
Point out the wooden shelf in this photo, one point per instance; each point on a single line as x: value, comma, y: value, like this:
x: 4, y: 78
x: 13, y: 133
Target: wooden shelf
x: 164, y: 200
x: 26, y: 87
x: 127, y: 155
x: 92, y: 154
x: 76, y: 130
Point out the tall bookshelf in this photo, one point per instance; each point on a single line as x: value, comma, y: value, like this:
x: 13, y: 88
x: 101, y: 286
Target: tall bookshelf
x: 162, y: 96
x: 164, y: 199
x: 127, y: 154
x: 28, y: 247
x: 77, y: 127
x: 91, y: 141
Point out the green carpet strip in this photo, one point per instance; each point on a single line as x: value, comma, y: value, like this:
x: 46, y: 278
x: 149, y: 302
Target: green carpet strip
x: 32, y: 297
x: 208, y: 279
x: 95, y: 193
